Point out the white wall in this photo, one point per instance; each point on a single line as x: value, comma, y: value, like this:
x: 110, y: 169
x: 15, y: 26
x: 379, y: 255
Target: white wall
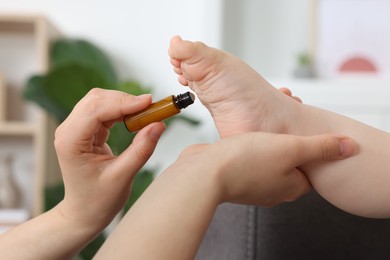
x: 136, y: 35
x: 267, y: 34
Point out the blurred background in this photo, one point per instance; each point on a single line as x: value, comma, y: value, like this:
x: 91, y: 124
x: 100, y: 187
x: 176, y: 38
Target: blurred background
x: 135, y: 35
x: 280, y: 39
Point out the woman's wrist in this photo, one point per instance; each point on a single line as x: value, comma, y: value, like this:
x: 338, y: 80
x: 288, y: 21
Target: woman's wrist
x: 88, y: 229
x: 180, y: 201
x: 198, y: 179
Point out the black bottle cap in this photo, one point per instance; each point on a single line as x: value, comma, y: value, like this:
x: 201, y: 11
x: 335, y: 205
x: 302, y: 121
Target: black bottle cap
x: 184, y: 100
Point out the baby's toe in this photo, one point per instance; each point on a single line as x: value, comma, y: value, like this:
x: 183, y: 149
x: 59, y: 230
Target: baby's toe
x: 183, y: 80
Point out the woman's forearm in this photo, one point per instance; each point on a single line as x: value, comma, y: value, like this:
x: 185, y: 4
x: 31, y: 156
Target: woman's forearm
x: 171, y: 216
x: 48, y: 236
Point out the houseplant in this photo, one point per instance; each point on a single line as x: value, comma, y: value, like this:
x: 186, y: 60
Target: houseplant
x: 76, y: 67
x: 304, y: 66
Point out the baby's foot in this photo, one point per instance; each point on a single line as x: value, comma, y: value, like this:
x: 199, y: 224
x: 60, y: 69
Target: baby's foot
x: 238, y: 98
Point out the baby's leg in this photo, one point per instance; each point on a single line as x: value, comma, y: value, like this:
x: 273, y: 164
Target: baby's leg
x: 238, y: 98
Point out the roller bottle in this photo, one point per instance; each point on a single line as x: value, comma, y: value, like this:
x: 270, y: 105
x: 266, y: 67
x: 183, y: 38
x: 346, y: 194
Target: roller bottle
x: 158, y: 111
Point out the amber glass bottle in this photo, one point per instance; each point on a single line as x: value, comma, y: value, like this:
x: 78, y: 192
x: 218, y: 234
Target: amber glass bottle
x: 158, y: 111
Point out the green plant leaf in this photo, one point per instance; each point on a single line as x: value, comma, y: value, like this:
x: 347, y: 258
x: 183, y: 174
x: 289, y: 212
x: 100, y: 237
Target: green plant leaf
x: 53, y: 195
x: 141, y: 181
x: 35, y: 91
x: 304, y: 59
x: 91, y: 249
x: 119, y: 138
x: 65, y: 51
x: 133, y: 88
x: 60, y: 90
x: 67, y: 84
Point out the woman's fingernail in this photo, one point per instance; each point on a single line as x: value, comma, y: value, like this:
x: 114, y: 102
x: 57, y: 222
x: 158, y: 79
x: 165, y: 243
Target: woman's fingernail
x: 157, y: 130
x: 348, y: 147
x: 143, y: 96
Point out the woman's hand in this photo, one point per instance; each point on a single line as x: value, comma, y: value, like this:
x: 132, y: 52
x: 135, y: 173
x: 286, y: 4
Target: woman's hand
x: 172, y: 215
x: 263, y: 168
x: 97, y: 183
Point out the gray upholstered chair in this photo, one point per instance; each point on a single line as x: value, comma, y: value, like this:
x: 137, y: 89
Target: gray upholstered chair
x: 309, y: 228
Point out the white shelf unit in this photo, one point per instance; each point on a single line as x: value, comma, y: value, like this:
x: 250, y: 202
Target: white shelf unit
x: 362, y: 98
x: 2, y: 99
x: 26, y: 131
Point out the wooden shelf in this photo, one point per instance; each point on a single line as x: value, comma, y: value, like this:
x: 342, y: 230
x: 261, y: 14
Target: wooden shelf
x: 17, y: 129
x: 2, y: 98
x: 12, y: 217
x: 26, y: 130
